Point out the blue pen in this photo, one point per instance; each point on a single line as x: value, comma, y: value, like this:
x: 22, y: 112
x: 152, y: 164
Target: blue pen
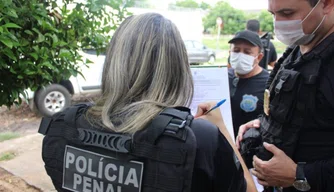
x: 215, y: 107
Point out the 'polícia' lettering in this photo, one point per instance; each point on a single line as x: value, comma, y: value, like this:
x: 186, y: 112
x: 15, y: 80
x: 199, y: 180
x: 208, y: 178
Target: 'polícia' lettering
x: 91, y: 171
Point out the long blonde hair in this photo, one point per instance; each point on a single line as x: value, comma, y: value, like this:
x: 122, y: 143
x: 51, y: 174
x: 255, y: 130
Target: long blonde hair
x: 146, y: 69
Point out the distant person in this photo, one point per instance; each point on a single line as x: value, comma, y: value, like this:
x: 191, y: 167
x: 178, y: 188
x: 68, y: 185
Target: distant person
x: 140, y: 135
x: 254, y: 25
x: 247, y: 79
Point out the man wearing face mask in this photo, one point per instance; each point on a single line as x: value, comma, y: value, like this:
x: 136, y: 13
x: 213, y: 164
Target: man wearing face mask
x: 297, y: 126
x: 247, y: 79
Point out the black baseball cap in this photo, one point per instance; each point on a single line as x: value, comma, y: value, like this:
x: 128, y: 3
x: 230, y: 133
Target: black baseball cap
x: 249, y: 36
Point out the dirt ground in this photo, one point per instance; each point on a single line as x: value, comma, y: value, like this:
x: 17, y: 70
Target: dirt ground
x: 10, y: 183
x: 22, y: 120
x: 18, y: 119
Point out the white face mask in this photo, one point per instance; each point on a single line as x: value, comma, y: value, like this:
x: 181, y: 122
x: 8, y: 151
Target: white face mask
x: 291, y: 32
x: 242, y: 63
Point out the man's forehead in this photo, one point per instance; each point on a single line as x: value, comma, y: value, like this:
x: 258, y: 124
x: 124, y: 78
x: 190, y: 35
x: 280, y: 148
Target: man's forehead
x: 279, y: 5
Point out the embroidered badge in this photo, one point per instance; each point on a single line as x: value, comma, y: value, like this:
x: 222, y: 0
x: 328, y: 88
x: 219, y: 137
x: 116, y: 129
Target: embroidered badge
x: 249, y: 103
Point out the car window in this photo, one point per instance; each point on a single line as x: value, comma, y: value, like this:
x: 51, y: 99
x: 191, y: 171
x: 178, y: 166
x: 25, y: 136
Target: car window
x: 189, y: 44
x: 198, y: 45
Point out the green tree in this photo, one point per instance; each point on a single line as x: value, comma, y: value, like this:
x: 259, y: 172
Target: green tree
x: 40, y: 40
x: 204, y: 5
x: 187, y: 4
x: 233, y: 19
x: 266, y: 21
x: 139, y: 3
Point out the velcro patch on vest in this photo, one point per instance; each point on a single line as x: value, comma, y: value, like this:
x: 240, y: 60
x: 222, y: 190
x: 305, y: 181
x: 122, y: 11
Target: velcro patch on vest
x: 92, y: 172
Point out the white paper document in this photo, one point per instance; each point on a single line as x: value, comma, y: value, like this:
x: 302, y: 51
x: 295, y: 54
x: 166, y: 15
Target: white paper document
x: 211, y: 84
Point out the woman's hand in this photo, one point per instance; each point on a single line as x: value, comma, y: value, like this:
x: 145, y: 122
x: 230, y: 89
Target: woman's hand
x: 213, y: 116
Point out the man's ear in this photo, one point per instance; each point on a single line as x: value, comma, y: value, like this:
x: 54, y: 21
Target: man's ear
x: 260, y: 57
x: 328, y: 6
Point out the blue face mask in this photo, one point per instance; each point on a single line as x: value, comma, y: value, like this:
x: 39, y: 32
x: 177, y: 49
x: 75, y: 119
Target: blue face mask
x: 291, y: 32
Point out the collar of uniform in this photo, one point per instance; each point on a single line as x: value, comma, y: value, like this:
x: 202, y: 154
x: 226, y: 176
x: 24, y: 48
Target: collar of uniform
x: 322, y: 50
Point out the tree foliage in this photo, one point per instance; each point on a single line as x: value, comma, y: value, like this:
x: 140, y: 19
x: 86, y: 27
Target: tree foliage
x: 192, y: 4
x: 233, y: 19
x: 204, y: 5
x: 266, y: 21
x: 187, y: 4
x: 40, y: 40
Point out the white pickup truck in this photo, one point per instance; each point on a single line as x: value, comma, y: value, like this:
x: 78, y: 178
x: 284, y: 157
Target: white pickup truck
x: 55, y: 97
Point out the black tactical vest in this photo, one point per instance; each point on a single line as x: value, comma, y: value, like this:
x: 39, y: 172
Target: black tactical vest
x: 158, y: 158
x: 292, y: 98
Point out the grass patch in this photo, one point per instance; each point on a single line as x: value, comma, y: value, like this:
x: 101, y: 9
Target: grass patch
x: 8, y: 135
x: 211, y: 42
x: 221, y: 60
x: 8, y: 155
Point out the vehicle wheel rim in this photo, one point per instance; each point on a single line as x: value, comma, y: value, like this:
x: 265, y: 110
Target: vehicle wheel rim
x: 212, y: 59
x: 54, y: 101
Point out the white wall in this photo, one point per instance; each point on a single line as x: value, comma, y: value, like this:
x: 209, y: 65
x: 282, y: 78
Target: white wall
x: 189, y: 23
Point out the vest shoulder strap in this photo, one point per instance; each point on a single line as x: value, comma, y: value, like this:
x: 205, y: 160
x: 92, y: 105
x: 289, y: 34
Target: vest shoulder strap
x: 69, y: 116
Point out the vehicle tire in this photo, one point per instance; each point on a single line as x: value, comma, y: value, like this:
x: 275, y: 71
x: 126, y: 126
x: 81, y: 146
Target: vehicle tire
x: 52, y: 99
x: 212, y: 59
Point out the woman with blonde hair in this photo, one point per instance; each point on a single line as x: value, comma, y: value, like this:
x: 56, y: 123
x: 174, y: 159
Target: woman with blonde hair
x: 146, y: 78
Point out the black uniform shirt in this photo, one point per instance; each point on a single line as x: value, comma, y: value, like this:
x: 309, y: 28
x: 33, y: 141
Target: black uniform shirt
x: 247, y: 99
x: 216, y: 166
x: 316, y: 142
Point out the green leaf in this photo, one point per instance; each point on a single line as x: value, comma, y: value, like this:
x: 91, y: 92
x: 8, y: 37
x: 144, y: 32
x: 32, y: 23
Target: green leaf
x: 54, y: 38
x: 12, y: 70
x: 47, y: 64
x: 6, y: 41
x: 1, y: 29
x: 11, y: 25
x: 34, y: 55
x: 62, y: 43
x: 88, y: 61
x: 9, y: 53
x: 13, y: 37
x: 46, y: 25
x: 64, y: 53
x: 24, y: 42
x: 28, y: 32
x: 12, y: 13
x: 40, y: 38
x: 27, y: 72
x: 36, y: 30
